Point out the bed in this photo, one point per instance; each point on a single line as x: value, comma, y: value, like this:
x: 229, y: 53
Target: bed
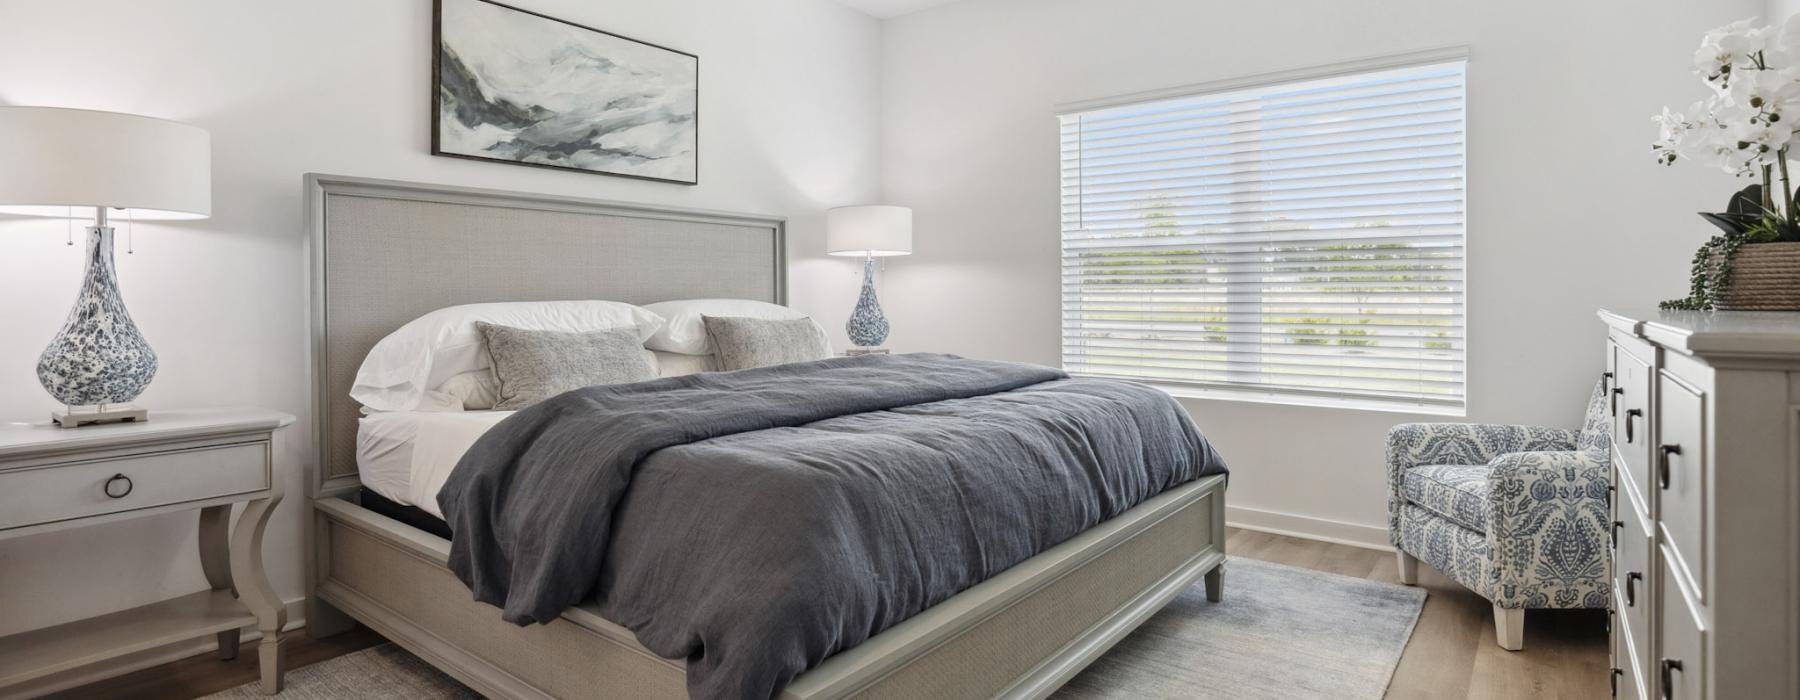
x: 1020, y: 633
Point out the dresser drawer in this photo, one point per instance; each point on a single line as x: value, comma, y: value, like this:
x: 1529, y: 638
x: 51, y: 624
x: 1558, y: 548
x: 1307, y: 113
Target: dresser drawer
x: 1629, y: 404
x: 1680, y: 669
x: 54, y: 493
x: 1680, y: 476
x: 1625, y: 679
x: 1633, y: 580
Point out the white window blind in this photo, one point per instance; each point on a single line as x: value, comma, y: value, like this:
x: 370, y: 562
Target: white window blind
x: 1291, y: 240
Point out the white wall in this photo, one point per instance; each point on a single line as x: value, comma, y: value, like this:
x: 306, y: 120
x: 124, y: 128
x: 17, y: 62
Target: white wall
x: 342, y: 86
x: 1780, y: 10
x: 1566, y: 210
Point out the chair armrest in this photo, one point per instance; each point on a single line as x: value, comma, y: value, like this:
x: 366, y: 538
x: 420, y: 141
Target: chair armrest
x: 1547, y: 523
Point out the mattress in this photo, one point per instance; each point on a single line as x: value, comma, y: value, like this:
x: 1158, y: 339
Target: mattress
x: 405, y: 456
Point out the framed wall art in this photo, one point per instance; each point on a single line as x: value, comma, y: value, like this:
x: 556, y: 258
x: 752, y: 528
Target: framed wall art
x: 515, y: 86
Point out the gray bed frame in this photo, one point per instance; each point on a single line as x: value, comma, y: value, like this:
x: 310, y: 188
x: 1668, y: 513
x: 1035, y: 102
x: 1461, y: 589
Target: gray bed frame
x: 384, y: 252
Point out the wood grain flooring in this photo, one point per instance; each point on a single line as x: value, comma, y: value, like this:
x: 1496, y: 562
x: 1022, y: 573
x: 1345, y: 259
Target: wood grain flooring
x: 1452, y: 653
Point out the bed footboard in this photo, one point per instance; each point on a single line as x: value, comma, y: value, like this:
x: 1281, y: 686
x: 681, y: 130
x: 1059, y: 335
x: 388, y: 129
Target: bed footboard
x: 1021, y: 634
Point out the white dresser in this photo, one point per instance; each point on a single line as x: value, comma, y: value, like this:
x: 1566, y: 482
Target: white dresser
x: 1706, y: 504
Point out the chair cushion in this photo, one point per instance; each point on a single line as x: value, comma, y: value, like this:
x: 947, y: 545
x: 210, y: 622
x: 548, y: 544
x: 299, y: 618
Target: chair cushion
x: 1455, y: 492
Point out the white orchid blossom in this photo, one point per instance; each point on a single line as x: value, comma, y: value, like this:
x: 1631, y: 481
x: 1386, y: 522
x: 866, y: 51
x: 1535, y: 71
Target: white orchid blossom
x: 1746, y: 126
x: 1765, y: 92
x: 1727, y: 48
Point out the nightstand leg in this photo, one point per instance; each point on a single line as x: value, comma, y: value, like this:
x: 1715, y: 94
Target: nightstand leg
x: 215, y: 560
x: 254, y: 590
x: 228, y: 645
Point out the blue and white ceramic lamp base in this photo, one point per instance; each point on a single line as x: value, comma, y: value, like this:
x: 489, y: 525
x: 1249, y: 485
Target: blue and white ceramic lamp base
x: 99, y: 362
x: 867, y: 328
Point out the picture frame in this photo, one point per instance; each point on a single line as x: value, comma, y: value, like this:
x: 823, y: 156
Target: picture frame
x: 514, y: 86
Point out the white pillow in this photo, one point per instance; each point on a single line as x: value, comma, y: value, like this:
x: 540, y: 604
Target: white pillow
x: 674, y: 364
x: 684, y: 333
x: 472, y: 391
x: 431, y: 349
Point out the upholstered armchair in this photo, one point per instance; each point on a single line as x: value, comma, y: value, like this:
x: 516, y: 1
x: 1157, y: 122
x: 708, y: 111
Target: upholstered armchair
x: 1516, y: 513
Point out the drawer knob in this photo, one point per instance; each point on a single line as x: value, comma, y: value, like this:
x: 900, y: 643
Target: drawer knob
x: 119, y: 486
x: 1631, y: 413
x: 1669, y: 667
x: 1662, y: 464
x: 1631, y: 579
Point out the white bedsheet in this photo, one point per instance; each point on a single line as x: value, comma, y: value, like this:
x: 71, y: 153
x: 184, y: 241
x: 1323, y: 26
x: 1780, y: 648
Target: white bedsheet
x: 407, y: 455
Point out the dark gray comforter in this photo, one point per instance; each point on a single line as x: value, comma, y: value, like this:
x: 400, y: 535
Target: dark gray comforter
x: 757, y: 522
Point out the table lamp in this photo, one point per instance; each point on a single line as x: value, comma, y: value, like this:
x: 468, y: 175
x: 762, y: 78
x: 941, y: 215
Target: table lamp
x: 75, y: 163
x: 869, y: 231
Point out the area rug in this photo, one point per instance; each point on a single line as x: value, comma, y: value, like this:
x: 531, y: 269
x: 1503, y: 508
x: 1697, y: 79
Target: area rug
x: 1281, y: 632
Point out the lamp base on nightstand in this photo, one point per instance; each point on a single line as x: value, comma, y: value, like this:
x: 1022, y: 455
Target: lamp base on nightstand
x: 77, y: 416
x: 855, y: 351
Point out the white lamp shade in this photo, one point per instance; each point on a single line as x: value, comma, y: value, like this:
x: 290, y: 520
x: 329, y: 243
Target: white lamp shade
x: 871, y: 230
x: 52, y: 159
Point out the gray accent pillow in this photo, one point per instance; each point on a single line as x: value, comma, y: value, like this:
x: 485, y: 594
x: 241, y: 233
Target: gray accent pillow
x: 531, y: 366
x: 743, y: 343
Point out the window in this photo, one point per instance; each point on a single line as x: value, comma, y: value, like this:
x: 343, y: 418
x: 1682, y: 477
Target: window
x: 1296, y: 241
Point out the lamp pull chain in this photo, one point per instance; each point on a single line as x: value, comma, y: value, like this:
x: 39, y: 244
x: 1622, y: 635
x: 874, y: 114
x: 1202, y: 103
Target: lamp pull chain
x: 69, y: 225
x: 130, y: 233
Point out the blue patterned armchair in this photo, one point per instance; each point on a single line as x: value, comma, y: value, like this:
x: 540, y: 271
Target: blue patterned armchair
x: 1516, y: 513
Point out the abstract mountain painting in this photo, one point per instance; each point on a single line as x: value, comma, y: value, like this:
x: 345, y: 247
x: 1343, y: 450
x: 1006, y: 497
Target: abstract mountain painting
x: 520, y: 87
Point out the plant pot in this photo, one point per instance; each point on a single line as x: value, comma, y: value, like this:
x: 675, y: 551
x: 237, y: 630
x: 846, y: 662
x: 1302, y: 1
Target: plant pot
x: 1764, y: 277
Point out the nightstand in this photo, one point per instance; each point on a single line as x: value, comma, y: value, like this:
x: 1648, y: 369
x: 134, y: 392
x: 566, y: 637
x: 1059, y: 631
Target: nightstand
x: 55, y: 478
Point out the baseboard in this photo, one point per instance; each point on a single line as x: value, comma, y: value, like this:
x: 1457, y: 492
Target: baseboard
x: 296, y: 615
x: 1307, y: 527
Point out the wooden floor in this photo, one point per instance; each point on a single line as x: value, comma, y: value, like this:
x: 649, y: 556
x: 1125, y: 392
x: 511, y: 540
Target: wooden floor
x: 1452, y: 653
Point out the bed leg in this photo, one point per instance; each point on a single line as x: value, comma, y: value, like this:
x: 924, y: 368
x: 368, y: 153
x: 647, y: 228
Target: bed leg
x: 324, y: 620
x: 1215, y: 583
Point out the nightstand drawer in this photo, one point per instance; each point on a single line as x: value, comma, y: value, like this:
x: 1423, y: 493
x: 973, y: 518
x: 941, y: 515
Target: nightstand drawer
x: 55, y: 493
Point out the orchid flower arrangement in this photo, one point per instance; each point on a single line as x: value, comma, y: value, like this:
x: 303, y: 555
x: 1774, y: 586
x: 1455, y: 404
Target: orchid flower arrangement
x: 1747, y: 124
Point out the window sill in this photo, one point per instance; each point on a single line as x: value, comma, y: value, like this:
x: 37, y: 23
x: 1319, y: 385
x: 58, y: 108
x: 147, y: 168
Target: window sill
x: 1206, y: 394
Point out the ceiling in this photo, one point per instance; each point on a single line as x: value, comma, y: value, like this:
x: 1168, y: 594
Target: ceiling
x: 885, y: 9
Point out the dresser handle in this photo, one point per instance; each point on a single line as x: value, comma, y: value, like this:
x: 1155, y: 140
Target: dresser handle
x: 1669, y: 666
x: 1631, y: 413
x: 1617, y: 390
x: 1615, y: 532
x: 1631, y: 579
x: 1616, y: 673
x: 1662, y: 464
x: 108, y: 488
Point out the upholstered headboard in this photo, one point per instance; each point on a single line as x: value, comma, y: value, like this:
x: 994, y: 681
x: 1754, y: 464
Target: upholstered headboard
x: 385, y: 252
